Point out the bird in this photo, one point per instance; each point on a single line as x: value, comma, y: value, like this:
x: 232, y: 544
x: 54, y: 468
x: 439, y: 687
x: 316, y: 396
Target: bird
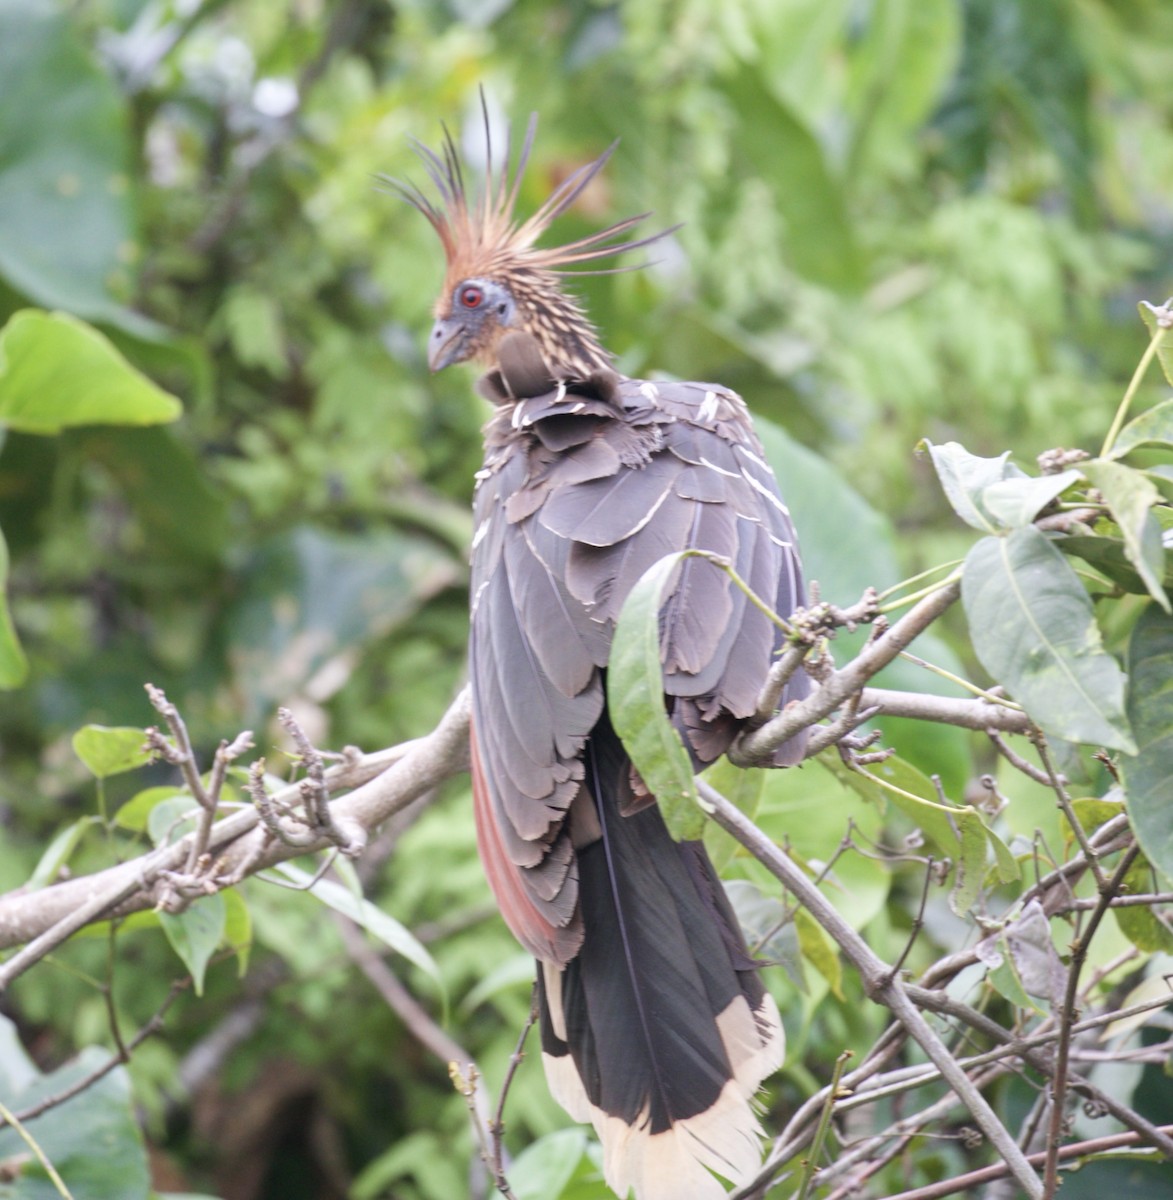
x: 655, y: 1025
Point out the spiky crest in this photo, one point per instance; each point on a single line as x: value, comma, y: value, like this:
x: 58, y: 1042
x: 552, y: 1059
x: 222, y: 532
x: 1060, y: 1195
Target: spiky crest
x: 482, y: 237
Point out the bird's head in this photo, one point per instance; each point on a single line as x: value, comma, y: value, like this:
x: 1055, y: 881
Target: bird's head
x: 498, y: 281
x: 472, y: 316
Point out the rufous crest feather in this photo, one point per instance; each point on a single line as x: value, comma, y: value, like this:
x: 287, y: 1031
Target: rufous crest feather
x: 484, y: 238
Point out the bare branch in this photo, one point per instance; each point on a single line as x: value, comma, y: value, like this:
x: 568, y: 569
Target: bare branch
x: 383, y: 783
x: 880, y: 982
x: 756, y: 747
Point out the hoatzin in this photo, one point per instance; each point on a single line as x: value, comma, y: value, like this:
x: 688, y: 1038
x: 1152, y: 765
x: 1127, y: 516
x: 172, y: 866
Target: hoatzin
x: 654, y: 1024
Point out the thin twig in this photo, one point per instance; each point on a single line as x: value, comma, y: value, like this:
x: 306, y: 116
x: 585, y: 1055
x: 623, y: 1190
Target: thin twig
x: 880, y: 984
x: 497, y: 1122
x: 153, y: 1026
x: 972, y: 1179
x: 1067, y: 1017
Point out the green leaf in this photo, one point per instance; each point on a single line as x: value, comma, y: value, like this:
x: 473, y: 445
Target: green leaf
x: 738, y: 786
x: 66, y: 189
x: 1139, y: 923
x: 965, y: 478
x: 376, y: 922
x: 1108, y: 556
x: 238, y: 927
x: 545, y: 1167
x: 1148, y: 781
x: 909, y: 790
x: 169, y: 820
x: 14, y: 667
x: 1148, y: 314
x: 59, y: 851
x: 1154, y: 426
x: 971, y: 864
x: 1131, y: 496
x: 57, y: 371
x: 819, y: 950
x: 195, y: 933
x: 135, y: 814
x: 819, y: 233
x: 1016, y: 502
x: 1005, y: 863
x: 109, y: 751
x: 92, y: 1139
x: 1033, y: 629
x: 635, y: 700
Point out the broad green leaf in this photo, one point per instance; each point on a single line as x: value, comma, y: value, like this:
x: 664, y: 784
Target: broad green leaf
x: 740, y: 787
x: 66, y: 189
x: 819, y: 950
x: 169, y: 820
x: 14, y: 667
x: 109, y: 750
x: 58, y: 852
x: 1034, y: 631
x: 1108, y: 556
x: 1162, y: 478
x: 1131, y: 496
x: 136, y: 812
x: 901, y: 784
x: 195, y: 933
x: 1139, y: 923
x: 971, y: 864
x: 1165, y: 347
x: 819, y: 233
x: 635, y: 700
x: 1005, y: 864
x: 57, y: 371
x: 376, y: 922
x: 1148, y: 781
x: 1155, y: 987
x: 1006, y: 982
x: 1094, y: 811
x: 238, y: 927
x: 92, y: 1139
x: 1016, y: 502
x: 965, y: 478
x: 147, y: 919
x: 1152, y: 427
x: 544, y: 1168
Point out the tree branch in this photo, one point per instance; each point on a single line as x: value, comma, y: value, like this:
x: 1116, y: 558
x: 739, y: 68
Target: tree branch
x: 382, y: 784
x: 880, y: 982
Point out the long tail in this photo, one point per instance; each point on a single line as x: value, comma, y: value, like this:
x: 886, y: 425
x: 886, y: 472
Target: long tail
x: 659, y: 1032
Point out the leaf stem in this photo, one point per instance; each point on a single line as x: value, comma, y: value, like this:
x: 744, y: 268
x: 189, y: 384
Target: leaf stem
x: 912, y: 597
x: 1133, y: 387
x: 34, y: 1146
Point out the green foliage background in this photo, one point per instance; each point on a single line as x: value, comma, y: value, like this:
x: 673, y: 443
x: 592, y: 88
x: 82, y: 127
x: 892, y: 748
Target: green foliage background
x: 900, y: 219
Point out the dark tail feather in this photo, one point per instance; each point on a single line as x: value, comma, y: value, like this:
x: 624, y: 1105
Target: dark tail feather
x: 659, y: 1032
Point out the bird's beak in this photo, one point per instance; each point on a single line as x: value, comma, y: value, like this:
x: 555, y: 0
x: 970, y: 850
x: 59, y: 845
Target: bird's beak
x: 446, y: 343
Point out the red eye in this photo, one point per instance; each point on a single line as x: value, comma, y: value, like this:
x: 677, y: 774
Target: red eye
x: 471, y: 297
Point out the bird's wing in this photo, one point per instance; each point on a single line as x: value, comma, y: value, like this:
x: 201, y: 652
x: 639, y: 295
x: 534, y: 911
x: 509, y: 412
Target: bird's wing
x: 583, y: 490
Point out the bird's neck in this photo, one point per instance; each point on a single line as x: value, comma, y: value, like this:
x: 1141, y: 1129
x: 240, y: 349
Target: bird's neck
x: 569, y: 342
